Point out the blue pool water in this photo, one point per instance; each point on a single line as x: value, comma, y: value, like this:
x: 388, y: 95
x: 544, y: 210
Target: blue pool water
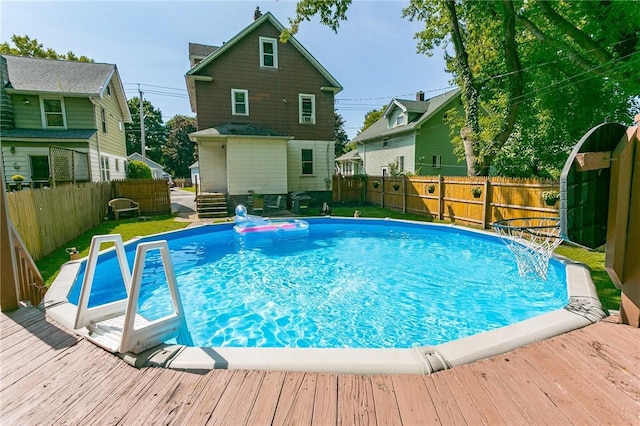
x: 345, y: 283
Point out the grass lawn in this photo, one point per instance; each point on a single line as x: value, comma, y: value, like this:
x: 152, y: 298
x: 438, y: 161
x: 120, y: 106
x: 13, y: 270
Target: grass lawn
x: 50, y: 265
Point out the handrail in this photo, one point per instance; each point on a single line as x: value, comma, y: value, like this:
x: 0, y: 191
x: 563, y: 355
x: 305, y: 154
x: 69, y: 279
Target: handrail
x: 31, y: 285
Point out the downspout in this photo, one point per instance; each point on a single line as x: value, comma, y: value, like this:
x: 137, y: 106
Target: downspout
x: 364, y: 157
x: 95, y: 117
x: 328, y: 179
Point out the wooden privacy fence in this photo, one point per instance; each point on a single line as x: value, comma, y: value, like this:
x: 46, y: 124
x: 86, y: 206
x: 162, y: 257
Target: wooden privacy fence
x: 152, y: 194
x: 451, y: 198
x: 48, y: 218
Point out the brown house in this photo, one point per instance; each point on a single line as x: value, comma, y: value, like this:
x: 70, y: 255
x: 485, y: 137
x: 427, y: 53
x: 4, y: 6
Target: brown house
x: 265, y: 114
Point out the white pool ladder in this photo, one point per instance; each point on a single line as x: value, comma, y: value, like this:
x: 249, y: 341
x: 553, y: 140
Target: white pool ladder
x: 117, y: 326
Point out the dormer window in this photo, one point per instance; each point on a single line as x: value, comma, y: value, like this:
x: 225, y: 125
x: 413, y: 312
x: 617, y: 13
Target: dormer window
x: 53, y: 113
x: 400, y: 120
x: 268, y: 52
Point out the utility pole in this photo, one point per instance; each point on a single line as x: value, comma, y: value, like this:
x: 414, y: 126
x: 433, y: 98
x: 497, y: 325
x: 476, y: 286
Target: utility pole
x: 142, y: 145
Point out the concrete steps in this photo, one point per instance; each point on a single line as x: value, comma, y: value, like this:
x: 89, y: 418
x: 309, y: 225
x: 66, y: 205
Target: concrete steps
x: 211, y: 205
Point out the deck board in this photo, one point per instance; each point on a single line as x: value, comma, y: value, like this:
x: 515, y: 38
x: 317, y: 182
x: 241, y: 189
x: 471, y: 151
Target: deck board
x: 51, y: 376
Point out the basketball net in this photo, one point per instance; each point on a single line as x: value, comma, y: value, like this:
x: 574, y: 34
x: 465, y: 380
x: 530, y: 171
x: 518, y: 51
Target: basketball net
x: 532, y: 241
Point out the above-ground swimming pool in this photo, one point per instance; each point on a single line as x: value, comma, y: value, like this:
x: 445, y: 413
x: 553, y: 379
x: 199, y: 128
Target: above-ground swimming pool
x: 345, y: 283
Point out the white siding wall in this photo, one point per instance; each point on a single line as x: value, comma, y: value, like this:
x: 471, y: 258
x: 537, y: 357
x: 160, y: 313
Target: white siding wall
x: 323, y: 165
x: 213, y: 171
x: 18, y: 163
x: 376, y: 156
x: 258, y: 165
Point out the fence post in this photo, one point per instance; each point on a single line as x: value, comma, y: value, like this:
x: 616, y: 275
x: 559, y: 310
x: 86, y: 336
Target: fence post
x: 486, y: 203
x: 440, y: 197
x: 339, y: 188
x: 382, y: 192
x: 404, y: 194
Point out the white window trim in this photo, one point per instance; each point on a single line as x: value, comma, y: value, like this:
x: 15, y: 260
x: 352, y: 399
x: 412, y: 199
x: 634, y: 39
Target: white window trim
x: 44, y: 115
x: 313, y: 162
x: 302, y: 96
x: 400, y: 120
x: 274, y: 42
x: 233, y: 101
x: 438, y: 162
x: 105, y: 168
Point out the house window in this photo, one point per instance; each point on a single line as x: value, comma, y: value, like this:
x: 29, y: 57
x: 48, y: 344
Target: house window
x: 40, y: 171
x: 385, y: 171
x: 104, y: 169
x: 307, y: 161
x: 436, y: 161
x: 239, y: 102
x: 53, y: 113
x: 385, y: 142
x: 117, y: 165
x: 399, y: 120
x: 103, y: 119
x: 400, y: 162
x: 307, y: 109
x: 109, y: 89
x: 268, y: 52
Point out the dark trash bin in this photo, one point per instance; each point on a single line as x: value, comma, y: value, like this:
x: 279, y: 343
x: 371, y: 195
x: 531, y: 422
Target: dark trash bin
x: 299, y: 202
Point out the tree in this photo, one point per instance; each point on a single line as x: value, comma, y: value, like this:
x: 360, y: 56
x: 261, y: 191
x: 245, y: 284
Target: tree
x: 340, y: 135
x: 24, y: 46
x: 155, y: 133
x: 371, y: 117
x: 534, y: 75
x: 179, y: 152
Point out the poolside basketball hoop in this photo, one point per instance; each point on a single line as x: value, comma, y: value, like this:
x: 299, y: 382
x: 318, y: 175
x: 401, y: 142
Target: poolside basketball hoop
x: 532, y: 240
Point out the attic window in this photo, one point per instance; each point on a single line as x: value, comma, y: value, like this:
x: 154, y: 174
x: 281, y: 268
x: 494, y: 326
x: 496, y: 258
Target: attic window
x: 268, y: 52
x: 109, y: 89
x: 400, y: 120
x: 385, y: 142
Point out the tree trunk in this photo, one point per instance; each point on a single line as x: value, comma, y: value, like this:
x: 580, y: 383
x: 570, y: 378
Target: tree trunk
x: 469, y: 93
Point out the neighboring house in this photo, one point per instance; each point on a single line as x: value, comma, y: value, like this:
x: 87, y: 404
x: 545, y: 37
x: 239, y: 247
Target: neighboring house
x: 62, y: 121
x: 411, y: 134
x: 265, y: 112
x: 157, y: 170
x: 195, y: 173
x: 349, y: 164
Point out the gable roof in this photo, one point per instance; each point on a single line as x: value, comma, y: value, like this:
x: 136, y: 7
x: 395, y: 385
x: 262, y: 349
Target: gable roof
x: 149, y: 162
x: 193, y: 72
x: 427, y: 108
x: 67, y: 78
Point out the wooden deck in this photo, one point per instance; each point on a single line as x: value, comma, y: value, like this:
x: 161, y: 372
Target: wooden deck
x: 50, y: 376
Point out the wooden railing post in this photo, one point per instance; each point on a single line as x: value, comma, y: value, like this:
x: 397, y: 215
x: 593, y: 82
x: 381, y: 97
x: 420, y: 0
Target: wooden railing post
x: 404, y: 194
x: 382, y: 192
x: 9, y: 279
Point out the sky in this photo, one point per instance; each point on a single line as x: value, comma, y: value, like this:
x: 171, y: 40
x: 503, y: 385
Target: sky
x: 373, y: 55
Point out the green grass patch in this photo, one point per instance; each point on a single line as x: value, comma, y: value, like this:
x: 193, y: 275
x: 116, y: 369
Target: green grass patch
x: 49, y: 266
x: 607, y: 292
x: 189, y: 189
x: 377, y: 212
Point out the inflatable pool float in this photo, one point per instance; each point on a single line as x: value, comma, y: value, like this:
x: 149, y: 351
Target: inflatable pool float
x: 246, y: 223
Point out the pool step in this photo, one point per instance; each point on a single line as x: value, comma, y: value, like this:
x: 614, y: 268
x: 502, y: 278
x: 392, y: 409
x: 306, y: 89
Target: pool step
x: 211, y: 205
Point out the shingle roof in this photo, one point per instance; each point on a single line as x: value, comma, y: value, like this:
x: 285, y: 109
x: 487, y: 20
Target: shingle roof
x: 47, y: 134
x: 201, y: 50
x: 53, y: 76
x: 235, y: 129
x: 428, y: 108
x: 351, y: 155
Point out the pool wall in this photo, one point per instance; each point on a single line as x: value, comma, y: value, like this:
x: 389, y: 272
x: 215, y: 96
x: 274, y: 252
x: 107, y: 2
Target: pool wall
x: 584, y: 308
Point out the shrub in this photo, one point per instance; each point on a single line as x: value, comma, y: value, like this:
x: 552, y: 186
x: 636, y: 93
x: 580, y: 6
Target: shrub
x: 138, y: 170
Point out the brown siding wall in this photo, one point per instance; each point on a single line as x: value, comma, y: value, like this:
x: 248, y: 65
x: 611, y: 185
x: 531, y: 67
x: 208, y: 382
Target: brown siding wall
x: 239, y: 68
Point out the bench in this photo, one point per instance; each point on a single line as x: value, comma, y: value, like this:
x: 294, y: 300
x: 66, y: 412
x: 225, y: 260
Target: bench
x: 123, y: 205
